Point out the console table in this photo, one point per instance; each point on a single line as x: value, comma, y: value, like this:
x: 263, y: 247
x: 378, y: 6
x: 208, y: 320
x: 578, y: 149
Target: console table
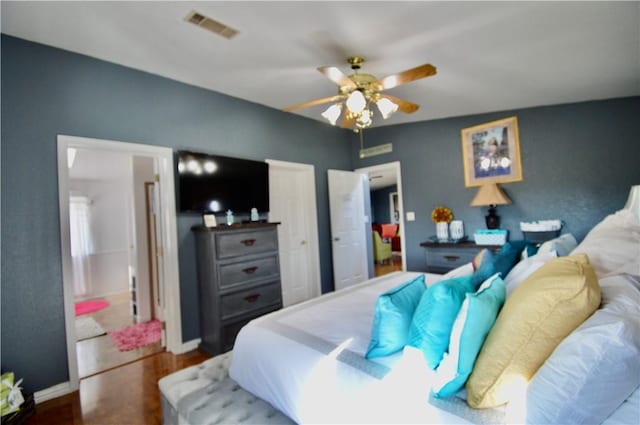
x: 238, y: 279
x: 443, y: 257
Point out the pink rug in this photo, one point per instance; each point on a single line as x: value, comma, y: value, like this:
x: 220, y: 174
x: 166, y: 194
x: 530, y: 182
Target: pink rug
x: 137, y: 335
x: 85, y: 307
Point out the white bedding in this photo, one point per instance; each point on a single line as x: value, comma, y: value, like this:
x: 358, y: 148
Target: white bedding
x: 298, y: 360
x: 308, y: 362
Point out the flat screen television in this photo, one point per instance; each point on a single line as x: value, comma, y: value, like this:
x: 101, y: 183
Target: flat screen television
x: 214, y: 184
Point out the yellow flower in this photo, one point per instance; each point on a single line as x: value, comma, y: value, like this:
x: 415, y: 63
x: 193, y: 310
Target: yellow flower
x: 441, y: 214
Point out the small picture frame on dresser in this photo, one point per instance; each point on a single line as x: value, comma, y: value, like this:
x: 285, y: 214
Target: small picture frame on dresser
x: 209, y: 220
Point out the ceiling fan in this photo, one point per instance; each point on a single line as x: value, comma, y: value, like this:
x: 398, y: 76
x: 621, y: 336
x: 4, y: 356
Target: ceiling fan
x: 357, y: 91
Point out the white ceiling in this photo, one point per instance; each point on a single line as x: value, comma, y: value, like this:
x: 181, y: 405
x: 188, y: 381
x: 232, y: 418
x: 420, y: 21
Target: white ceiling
x: 490, y: 55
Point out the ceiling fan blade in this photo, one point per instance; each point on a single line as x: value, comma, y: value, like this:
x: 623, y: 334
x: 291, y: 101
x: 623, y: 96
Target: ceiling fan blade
x: 405, y: 77
x: 403, y: 105
x: 348, y: 121
x: 314, y: 102
x: 338, y: 77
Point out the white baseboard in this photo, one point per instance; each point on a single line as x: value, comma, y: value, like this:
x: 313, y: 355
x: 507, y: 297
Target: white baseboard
x: 187, y: 346
x: 52, y: 392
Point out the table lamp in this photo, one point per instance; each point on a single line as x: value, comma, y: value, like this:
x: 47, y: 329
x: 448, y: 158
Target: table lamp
x: 490, y: 195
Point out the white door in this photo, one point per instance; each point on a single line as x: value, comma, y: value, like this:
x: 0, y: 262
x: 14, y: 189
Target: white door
x: 154, y: 240
x: 292, y: 202
x: 346, y: 202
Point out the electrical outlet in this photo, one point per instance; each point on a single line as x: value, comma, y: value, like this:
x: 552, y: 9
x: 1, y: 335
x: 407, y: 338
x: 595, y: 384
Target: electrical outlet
x: 411, y: 216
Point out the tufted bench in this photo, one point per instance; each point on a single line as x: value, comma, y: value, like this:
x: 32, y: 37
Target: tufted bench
x: 205, y: 394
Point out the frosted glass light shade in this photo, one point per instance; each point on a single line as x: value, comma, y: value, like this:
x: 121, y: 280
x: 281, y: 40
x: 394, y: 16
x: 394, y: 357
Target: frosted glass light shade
x: 386, y: 107
x: 333, y: 113
x: 356, y: 102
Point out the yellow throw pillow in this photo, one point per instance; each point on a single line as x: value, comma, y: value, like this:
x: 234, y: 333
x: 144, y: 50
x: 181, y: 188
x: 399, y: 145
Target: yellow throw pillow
x: 540, y: 313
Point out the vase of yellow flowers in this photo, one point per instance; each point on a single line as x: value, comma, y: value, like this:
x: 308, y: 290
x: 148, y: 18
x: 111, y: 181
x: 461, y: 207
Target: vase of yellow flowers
x: 442, y: 216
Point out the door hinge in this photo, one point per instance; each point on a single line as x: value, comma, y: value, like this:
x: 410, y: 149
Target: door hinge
x: 159, y: 252
x: 156, y: 178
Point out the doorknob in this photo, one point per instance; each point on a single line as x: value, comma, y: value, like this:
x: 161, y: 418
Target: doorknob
x: 303, y: 242
x: 336, y: 239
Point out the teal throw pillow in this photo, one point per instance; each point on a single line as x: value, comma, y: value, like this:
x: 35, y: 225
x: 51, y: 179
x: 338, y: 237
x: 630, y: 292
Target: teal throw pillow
x: 508, y: 256
x: 432, y: 322
x: 501, y: 262
x: 484, y: 267
x: 392, y: 318
x: 475, y: 319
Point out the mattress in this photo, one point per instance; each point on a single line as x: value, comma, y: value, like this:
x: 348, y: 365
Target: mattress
x: 308, y: 362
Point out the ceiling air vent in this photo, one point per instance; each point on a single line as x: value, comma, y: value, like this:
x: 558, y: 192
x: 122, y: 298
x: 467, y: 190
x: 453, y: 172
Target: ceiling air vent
x: 211, y: 25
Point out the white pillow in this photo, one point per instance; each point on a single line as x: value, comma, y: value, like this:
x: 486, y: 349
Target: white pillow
x: 562, y: 245
x: 521, y: 271
x: 596, y: 368
x: 613, y: 245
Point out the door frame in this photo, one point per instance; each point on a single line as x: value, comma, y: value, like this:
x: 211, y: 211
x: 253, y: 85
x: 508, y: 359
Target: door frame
x: 163, y: 158
x: 311, y: 212
x: 396, y: 166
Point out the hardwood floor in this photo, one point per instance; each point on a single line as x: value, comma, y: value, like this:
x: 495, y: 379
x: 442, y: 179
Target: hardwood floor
x: 389, y: 267
x: 100, y: 353
x: 127, y: 395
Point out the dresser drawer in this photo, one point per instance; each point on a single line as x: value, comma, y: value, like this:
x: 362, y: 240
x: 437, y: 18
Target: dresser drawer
x: 242, y: 302
x: 246, y: 243
x: 443, y: 259
x: 238, y: 273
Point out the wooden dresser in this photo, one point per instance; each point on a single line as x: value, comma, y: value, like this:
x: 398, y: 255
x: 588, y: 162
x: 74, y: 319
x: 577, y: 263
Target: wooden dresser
x: 443, y: 257
x: 238, y: 278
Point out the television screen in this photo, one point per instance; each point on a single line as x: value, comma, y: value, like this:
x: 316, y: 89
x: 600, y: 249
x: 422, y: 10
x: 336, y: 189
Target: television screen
x: 214, y: 183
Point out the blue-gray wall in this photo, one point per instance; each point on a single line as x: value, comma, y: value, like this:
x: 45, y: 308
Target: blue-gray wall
x: 578, y: 160
x: 380, y: 204
x: 46, y: 92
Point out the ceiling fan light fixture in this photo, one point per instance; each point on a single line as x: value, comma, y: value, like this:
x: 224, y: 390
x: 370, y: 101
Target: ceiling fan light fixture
x: 356, y: 102
x: 333, y: 113
x: 364, y: 119
x: 386, y: 107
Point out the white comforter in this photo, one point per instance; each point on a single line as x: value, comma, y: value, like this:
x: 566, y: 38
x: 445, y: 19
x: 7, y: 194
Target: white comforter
x: 307, y: 361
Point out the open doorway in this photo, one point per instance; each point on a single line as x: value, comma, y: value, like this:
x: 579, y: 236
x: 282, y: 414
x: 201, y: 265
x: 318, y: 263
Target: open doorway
x: 387, y: 218
x: 119, y: 252
x: 113, y: 261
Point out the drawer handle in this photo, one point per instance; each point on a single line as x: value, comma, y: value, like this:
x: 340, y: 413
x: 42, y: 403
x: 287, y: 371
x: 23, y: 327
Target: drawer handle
x: 451, y: 257
x: 252, y: 298
x: 248, y: 242
x: 250, y: 270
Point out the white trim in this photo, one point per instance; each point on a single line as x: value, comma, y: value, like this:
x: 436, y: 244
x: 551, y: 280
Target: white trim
x: 164, y: 159
x: 188, y: 346
x: 396, y: 166
x: 392, y: 218
x: 53, y: 392
x: 312, y: 214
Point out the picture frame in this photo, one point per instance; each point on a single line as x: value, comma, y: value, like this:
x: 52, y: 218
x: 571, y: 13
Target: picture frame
x: 209, y: 220
x: 491, y: 152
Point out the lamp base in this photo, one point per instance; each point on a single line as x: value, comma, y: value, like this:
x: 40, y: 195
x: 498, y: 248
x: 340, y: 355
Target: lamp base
x: 492, y: 219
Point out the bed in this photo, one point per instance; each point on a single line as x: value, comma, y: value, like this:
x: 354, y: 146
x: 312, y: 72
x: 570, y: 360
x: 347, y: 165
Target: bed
x: 309, y: 361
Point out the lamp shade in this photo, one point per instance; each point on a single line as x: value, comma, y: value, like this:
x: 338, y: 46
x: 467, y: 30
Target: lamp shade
x: 490, y: 194
x: 633, y: 203
x: 333, y: 113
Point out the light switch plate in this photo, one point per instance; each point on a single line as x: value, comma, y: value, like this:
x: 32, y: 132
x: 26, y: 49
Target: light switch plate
x: 411, y: 216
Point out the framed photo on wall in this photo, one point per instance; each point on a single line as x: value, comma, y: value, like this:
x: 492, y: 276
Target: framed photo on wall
x: 491, y: 153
